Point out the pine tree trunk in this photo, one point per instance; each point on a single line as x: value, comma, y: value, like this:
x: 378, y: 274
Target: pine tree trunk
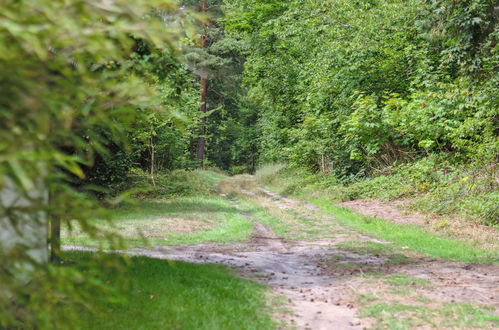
x: 204, y: 88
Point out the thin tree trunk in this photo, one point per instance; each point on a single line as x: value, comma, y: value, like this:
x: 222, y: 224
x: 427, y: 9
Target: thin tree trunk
x: 54, y: 229
x: 55, y: 239
x: 151, y: 149
x: 204, y: 88
x: 323, y: 165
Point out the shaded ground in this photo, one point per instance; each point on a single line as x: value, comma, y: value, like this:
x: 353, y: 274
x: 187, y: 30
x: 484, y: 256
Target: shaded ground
x: 334, y: 278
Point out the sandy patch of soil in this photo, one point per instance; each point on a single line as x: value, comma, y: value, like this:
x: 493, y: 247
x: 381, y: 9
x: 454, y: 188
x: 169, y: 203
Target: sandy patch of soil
x: 458, y: 282
x: 150, y: 228
x: 159, y: 227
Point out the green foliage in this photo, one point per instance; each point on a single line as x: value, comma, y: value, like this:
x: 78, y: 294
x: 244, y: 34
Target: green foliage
x: 231, y: 132
x: 172, y: 184
x: 95, y: 95
x: 56, y: 295
x: 159, y: 138
x: 352, y: 87
x: 465, y: 32
x: 69, y: 92
x: 400, y: 92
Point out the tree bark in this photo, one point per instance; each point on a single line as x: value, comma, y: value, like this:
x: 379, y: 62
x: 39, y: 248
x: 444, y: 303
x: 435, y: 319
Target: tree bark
x: 55, y: 239
x: 151, y: 149
x: 201, y: 153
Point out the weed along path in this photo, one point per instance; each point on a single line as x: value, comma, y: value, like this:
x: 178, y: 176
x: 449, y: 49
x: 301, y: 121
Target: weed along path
x: 324, y: 275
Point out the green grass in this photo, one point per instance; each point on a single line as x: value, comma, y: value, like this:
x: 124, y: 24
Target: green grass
x: 181, y: 220
x: 287, y: 224
x: 433, y: 184
x: 175, y: 295
x: 405, y: 280
x: 263, y: 215
x: 409, y: 236
x: 460, y: 315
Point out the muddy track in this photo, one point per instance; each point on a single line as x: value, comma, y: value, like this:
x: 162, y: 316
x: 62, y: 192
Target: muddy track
x: 318, y: 294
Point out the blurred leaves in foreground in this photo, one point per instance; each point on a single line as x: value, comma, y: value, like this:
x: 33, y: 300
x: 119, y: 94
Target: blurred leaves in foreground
x: 68, y: 90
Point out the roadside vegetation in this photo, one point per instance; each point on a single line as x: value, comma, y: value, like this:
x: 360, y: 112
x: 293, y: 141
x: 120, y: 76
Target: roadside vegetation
x: 428, y: 240
x: 469, y: 193
x: 160, y: 294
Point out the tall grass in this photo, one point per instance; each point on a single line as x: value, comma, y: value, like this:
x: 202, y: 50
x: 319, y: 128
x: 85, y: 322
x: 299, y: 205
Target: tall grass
x: 267, y: 172
x: 175, y: 183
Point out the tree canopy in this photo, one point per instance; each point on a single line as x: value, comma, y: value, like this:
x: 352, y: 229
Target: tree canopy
x: 94, y: 93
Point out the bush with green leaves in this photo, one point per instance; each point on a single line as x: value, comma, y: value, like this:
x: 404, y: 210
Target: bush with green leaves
x: 350, y: 87
x: 69, y: 90
x: 171, y: 184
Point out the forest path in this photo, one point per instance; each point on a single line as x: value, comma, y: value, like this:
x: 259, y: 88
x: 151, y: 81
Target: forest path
x: 334, y: 278
x: 314, y: 300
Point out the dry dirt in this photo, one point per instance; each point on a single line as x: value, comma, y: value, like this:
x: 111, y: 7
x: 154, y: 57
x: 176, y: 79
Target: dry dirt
x: 322, y: 282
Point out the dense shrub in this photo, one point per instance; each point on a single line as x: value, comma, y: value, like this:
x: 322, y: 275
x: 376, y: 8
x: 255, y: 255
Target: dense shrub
x: 172, y: 184
x: 353, y: 87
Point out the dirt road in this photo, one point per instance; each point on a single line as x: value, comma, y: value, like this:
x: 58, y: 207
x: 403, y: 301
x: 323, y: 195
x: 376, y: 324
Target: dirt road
x: 331, y: 283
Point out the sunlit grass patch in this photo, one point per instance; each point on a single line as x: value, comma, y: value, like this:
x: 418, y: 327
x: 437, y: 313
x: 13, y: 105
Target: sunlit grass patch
x: 292, y: 222
x: 266, y: 216
x: 165, y: 294
x: 455, y: 315
x: 410, y: 237
x: 268, y: 172
x: 182, y: 220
